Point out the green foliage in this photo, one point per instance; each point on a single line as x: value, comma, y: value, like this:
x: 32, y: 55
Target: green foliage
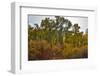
x: 53, y: 40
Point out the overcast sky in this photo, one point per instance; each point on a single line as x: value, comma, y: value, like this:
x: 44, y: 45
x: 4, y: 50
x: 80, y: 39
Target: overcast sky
x: 82, y: 21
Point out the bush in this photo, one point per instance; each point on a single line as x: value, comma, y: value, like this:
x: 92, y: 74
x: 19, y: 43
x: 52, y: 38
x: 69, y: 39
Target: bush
x: 71, y: 52
x: 42, y: 50
x: 37, y: 49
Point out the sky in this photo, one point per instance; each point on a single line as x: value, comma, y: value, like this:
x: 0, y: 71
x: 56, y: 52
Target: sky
x: 82, y: 21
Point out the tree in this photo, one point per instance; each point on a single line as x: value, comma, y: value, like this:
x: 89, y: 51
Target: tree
x: 62, y: 25
x: 76, y: 28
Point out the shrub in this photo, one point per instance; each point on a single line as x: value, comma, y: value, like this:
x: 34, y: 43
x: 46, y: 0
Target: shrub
x: 42, y: 50
x: 81, y: 52
x: 37, y: 49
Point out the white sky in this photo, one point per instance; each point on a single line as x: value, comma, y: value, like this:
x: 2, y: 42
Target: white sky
x: 82, y: 21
